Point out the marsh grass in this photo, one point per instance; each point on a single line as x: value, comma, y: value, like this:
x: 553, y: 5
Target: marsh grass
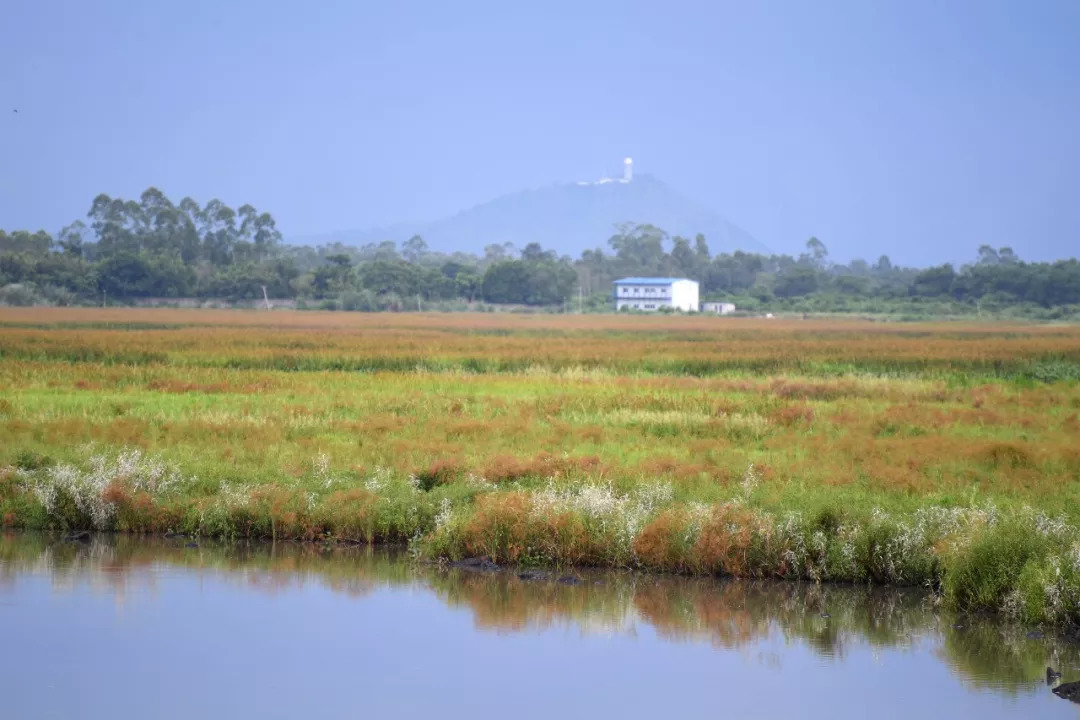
x: 905, y: 455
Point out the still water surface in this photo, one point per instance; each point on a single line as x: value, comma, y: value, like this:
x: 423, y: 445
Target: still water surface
x: 132, y: 628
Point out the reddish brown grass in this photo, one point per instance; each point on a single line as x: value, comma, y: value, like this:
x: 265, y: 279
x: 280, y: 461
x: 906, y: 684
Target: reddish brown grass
x: 724, y: 543
x: 499, y: 528
x: 661, y: 546
x: 348, y: 514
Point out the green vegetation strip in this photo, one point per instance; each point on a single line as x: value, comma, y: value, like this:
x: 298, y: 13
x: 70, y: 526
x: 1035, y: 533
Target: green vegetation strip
x: 1048, y: 369
x: 1020, y: 562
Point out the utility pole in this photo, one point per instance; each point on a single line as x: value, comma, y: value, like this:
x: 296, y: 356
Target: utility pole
x: 266, y: 298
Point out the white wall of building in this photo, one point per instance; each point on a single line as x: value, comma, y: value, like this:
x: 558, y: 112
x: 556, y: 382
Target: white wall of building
x: 653, y: 295
x: 684, y: 295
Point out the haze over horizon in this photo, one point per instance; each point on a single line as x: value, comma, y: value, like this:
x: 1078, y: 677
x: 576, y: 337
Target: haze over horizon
x: 909, y: 129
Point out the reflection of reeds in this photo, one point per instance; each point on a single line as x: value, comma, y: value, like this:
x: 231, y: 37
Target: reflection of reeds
x: 116, y: 562
x: 990, y: 655
x: 727, y: 614
x: 502, y: 602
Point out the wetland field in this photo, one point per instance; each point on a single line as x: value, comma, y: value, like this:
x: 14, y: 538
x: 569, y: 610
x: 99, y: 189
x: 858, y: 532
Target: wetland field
x: 943, y: 457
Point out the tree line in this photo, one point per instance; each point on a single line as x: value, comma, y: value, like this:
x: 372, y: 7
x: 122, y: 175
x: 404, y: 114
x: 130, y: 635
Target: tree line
x: 152, y: 248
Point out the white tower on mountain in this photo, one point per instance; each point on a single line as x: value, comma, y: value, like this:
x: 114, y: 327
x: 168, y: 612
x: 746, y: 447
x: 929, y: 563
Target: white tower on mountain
x: 628, y: 170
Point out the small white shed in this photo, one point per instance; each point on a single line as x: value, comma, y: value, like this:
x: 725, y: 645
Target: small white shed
x: 720, y: 308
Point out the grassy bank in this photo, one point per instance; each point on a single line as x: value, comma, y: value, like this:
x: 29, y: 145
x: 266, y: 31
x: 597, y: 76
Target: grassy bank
x: 943, y: 456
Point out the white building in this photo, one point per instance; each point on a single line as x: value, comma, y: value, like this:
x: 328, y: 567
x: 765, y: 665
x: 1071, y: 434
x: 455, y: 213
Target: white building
x: 652, y: 294
x: 720, y: 308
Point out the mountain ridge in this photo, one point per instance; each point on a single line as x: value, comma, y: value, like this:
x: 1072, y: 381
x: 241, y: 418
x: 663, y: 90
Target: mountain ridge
x: 566, y: 217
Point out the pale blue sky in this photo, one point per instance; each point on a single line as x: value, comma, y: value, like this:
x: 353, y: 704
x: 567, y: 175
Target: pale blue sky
x: 918, y: 129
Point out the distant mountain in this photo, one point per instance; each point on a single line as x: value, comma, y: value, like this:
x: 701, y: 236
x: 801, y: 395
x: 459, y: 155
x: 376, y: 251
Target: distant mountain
x: 567, y: 218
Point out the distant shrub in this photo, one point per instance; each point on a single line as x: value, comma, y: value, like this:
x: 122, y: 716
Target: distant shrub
x: 20, y: 295
x: 1050, y: 371
x: 357, y: 301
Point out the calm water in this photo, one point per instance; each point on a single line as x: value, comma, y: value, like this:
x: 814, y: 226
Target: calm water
x: 130, y: 628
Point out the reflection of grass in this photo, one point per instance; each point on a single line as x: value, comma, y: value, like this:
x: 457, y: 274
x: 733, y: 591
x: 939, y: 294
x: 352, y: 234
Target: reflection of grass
x: 729, y: 614
x: 817, y: 450
x: 119, y: 560
x: 503, y: 602
x: 991, y: 655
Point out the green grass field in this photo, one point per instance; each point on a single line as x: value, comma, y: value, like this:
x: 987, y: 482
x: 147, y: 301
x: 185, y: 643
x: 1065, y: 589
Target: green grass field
x: 937, y: 455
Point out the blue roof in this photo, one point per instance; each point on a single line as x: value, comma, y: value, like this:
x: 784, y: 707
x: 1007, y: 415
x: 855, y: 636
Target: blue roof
x: 648, y: 281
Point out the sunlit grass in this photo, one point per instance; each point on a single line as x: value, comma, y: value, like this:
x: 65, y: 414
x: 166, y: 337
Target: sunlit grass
x: 455, y: 431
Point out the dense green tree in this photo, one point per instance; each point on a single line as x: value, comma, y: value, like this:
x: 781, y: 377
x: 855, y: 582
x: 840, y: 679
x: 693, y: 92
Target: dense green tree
x: 818, y: 253
x: 497, y: 252
x: 506, y: 281
x: 523, y: 282
x: 333, y: 278
x: 20, y: 241
x: 988, y: 255
x: 414, y: 249
x: 684, y: 261
x: 639, y: 249
x: 533, y: 253
x: 934, y: 282
x: 465, y: 278
x: 796, y: 282
x: 851, y: 285
x: 733, y: 273
x: 152, y: 247
x: 403, y: 279
x: 701, y: 250
x: 70, y: 241
x: 140, y: 274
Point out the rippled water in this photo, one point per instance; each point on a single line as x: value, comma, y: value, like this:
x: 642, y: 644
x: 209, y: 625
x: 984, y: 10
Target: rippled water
x: 122, y: 627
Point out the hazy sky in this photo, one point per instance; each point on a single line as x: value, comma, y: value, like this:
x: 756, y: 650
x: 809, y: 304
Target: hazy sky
x: 917, y: 129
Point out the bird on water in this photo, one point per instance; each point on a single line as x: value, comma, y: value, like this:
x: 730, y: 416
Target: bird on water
x: 1068, y: 691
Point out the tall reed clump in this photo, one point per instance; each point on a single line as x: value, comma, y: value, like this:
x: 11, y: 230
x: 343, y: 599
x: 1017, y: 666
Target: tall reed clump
x: 736, y: 539
x: 133, y: 492
x: 1027, y: 567
x: 1024, y: 564
x: 560, y: 523
x: 101, y: 495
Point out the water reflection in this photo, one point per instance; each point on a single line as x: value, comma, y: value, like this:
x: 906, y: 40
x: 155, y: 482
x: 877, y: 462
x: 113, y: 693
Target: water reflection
x: 731, y: 615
